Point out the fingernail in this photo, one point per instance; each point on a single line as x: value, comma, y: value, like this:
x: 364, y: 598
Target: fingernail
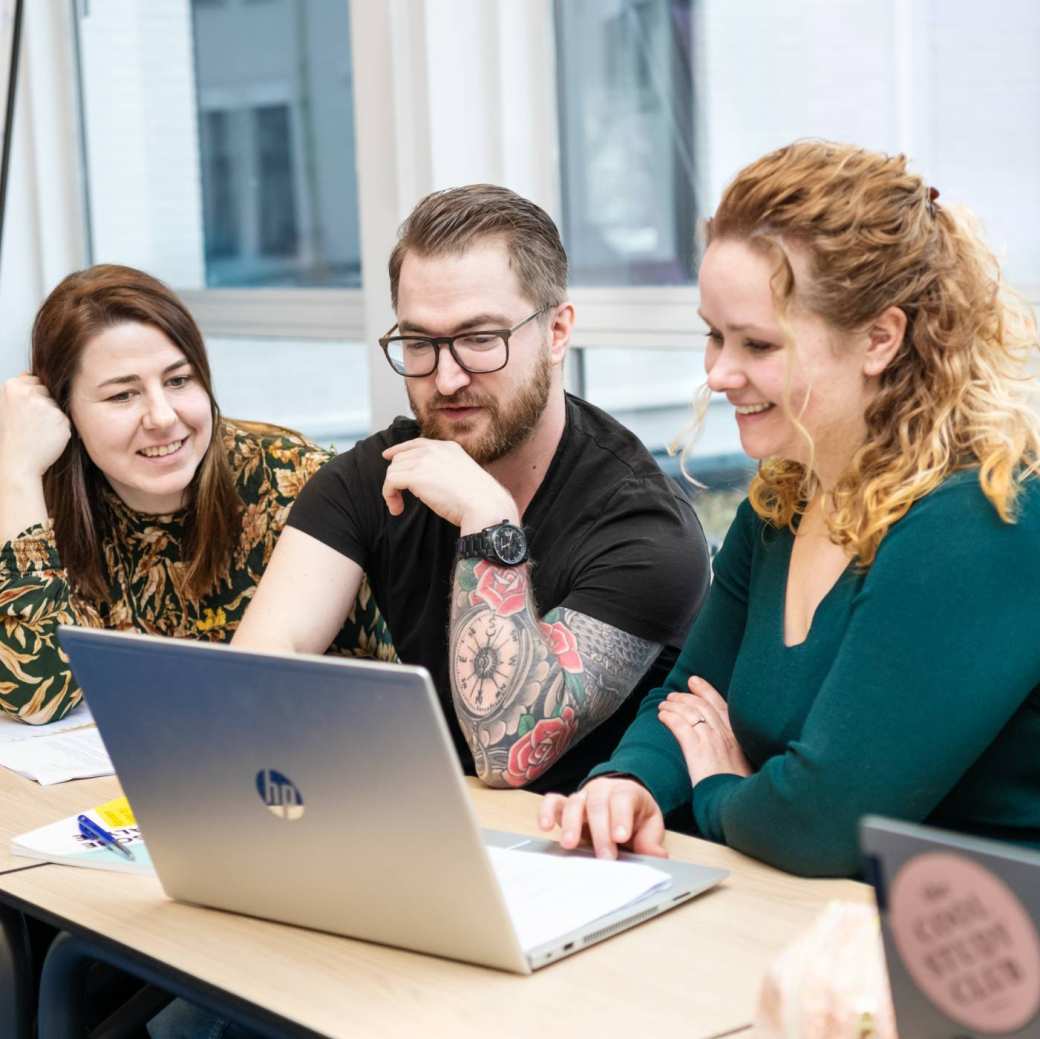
x: 603, y: 854
x: 620, y: 833
x: 568, y: 836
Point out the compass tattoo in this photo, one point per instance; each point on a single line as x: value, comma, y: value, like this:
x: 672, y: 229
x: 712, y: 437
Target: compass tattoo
x: 525, y: 687
x: 486, y: 655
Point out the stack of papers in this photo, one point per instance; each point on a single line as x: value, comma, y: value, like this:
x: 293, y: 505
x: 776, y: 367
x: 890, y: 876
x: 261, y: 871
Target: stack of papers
x: 549, y: 896
x: 55, y: 753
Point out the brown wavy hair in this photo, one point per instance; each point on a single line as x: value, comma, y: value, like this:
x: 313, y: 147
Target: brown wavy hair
x: 957, y: 394
x: 81, y: 306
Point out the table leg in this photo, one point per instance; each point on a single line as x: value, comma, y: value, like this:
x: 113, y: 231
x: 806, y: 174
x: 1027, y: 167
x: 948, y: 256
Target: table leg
x: 15, y: 976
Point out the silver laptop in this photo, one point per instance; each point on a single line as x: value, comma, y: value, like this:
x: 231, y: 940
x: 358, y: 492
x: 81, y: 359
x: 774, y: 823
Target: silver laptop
x: 317, y: 791
x: 961, y: 923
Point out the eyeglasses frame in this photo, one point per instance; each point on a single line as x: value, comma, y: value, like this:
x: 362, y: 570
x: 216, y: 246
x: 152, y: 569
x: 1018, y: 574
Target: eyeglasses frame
x: 449, y: 342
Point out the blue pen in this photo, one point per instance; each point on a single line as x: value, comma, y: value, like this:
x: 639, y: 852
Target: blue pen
x: 93, y: 832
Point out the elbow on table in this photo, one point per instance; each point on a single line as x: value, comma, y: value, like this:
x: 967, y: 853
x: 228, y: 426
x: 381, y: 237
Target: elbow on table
x: 528, y: 758
x: 494, y: 780
x: 805, y: 847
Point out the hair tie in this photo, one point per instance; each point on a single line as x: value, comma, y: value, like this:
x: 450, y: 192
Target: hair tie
x: 933, y: 194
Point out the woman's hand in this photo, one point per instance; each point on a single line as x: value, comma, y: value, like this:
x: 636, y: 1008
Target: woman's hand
x: 699, y: 720
x: 614, y: 811
x: 33, y: 429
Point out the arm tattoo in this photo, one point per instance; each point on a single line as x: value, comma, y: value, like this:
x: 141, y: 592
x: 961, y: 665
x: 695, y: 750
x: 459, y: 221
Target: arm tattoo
x: 526, y: 688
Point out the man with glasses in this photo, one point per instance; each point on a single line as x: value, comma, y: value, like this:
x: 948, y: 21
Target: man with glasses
x: 522, y: 545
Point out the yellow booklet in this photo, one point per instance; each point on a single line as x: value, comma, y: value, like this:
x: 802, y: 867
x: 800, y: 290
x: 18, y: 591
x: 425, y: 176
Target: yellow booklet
x: 62, y: 841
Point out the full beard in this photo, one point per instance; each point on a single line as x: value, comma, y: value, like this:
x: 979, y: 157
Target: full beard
x: 509, y: 424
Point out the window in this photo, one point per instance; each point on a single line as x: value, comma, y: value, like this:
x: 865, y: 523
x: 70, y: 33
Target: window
x: 220, y: 156
x: 274, y: 91
x: 221, y: 149
x: 626, y: 140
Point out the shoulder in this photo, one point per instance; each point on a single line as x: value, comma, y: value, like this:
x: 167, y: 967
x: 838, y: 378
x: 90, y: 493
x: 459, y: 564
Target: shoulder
x: 356, y: 475
x: 960, y: 508
x: 610, y: 465
x: 266, y: 458
x: 602, y: 440
x: 956, y: 525
x: 748, y: 533
x: 365, y: 458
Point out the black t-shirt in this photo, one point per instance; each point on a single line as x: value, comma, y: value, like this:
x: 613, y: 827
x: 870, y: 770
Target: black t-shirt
x: 609, y: 536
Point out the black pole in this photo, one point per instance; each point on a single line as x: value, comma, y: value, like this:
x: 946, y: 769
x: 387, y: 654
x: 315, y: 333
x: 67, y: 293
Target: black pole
x: 12, y: 82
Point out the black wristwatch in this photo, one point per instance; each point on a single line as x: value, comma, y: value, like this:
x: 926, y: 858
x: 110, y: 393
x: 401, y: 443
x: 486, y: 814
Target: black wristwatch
x: 503, y: 543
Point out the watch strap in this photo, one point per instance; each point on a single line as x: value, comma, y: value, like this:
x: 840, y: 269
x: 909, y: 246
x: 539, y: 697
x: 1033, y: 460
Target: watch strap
x: 475, y: 546
x: 481, y: 545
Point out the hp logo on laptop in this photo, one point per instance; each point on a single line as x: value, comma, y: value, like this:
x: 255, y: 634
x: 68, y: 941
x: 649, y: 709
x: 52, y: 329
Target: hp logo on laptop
x: 279, y: 793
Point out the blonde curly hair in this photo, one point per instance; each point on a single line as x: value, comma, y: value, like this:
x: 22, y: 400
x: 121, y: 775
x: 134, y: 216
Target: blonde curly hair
x: 957, y: 394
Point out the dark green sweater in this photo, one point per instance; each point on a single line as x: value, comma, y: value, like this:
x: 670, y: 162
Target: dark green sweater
x: 916, y: 693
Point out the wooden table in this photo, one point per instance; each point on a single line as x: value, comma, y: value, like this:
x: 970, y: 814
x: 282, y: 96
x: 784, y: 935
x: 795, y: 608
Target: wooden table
x: 694, y: 971
x: 25, y: 805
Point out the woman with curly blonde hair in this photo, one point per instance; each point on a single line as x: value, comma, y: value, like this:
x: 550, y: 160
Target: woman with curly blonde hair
x: 869, y: 642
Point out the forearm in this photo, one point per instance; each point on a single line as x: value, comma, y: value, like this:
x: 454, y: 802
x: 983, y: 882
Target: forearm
x: 22, y: 504
x: 526, y: 688
x: 302, y: 570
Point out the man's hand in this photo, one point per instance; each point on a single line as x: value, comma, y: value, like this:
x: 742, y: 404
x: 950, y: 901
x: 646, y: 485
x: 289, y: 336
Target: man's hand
x: 699, y: 720
x: 614, y: 811
x: 447, y: 481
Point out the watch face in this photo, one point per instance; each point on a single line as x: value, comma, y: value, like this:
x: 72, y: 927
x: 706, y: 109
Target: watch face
x: 509, y: 543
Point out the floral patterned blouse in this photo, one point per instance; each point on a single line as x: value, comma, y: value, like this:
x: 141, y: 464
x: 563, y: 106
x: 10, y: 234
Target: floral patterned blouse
x: 145, y: 571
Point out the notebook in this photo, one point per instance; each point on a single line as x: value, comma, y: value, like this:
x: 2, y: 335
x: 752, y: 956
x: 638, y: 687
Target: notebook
x: 960, y: 921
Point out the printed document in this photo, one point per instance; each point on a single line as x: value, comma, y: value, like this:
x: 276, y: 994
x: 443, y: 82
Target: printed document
x: 14, y: 731
x: 551, y: 895
x: 57, y: 758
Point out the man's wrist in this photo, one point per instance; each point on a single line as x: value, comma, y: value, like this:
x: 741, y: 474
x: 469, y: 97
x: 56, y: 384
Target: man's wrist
x: 484, y: 516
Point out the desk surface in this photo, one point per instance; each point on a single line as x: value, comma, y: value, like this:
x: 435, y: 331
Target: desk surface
x: 24, y: 805
x: 695, y: 970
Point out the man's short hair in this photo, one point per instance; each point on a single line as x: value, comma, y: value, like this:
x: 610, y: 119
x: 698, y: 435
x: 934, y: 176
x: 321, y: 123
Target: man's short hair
x: 451, y: 221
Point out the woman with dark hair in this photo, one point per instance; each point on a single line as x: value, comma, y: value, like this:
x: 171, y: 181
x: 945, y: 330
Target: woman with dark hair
x: 869, y: 642
x: 128, y: 501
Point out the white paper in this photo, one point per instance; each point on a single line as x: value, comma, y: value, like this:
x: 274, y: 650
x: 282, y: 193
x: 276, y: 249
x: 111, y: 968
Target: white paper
x: 14, y: 731
x: 75, y: 754
x: 549, y: 896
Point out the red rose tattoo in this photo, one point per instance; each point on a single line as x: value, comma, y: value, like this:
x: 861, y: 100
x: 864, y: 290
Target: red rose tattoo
x: 532, y: 754
x: 564, y: 646
x: 503, y: 589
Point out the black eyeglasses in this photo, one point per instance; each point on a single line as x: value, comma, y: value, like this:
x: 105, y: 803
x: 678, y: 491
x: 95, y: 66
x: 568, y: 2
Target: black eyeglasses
x: 478, y: 352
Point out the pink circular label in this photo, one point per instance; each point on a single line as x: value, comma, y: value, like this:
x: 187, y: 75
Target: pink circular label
x: 967, y: 941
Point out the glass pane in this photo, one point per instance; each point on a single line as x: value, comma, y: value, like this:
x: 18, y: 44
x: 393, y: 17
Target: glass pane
x: 626, y: 140
x: 318, y: 388
x: 276, y: 113
x: 219, y: 140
